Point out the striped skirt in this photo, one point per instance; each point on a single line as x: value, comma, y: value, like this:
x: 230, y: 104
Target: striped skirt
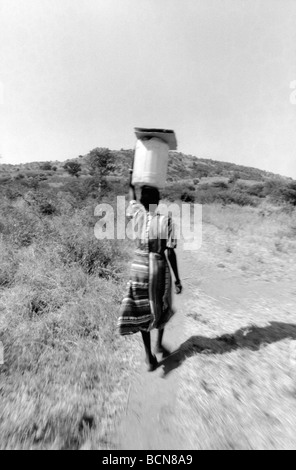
x: 148, y: 301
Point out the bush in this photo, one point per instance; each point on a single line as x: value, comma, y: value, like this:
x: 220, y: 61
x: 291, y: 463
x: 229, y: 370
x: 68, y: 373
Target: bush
x: 46, y: 166
x: 42, y: 177
x: 220, y: 184
x: 47, y: 208
x: 39, y: 203
x: 94, y: 256
x: 288, y: 194
x: 19, y: 227
x: 33, y: 182
x: 191, y: 187
x: 272, y: 188
x: 236, y: 197
x: 5, y: 179
x: 175, y: 192
x: 280, y: 192
x: 12, y: 193
x: 87, y: 188
x: 20, y: 176
x: 236, y: 176
x: 204, y: 186
x: 256, y: 190
x: 73, y: 168
x: 187, y: 197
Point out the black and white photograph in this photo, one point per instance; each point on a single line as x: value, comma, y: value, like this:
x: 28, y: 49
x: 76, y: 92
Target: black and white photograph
x: 147, y: 227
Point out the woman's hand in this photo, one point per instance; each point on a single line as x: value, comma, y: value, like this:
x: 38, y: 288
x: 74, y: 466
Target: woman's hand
x: 131, y: 176
x: 132, y: 192
x: 178, y: 287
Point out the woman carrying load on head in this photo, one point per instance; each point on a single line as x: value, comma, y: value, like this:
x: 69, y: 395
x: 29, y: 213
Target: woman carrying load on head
x: 148, y: 301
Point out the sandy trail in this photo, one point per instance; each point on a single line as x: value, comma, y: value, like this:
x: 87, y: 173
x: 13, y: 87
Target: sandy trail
x: 150, y: 421
x: 166, y: 409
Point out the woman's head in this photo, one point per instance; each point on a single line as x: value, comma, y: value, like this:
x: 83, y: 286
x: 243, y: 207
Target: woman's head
x: 149, y: 197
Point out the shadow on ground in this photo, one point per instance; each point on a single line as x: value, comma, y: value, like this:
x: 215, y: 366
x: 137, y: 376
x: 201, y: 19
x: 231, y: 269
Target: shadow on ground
x: 251, y: 338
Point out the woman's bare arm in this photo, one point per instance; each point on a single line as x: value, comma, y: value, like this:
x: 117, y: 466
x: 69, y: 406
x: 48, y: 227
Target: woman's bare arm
x: 174, y: 265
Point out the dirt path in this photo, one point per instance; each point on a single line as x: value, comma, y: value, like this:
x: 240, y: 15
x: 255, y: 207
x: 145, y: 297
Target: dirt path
x: 216, y: 391
x: 150, y: 421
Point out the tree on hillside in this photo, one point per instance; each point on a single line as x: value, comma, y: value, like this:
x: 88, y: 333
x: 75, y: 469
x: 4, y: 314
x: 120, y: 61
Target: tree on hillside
x: 73, y: 168
x: 46, y: 166
x: 101, y: 163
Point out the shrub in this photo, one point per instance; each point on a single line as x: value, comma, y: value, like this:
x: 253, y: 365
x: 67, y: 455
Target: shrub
x: 272, y: 188
x: 256, y: 190
x: 237, y: 197
x: 39, y: 203
x: 42, y: 177
x: 175, y: 192
x: 73, y: 168
x: 220, y: 184
x: 187, y: 197
x: 46, y: 166
x: 94, y: 256
x: 203, y: 186
x: 20, y: 228
x: 12, y: 193
x: 280, y: 192
x: 47, y: 208
x: 33, y: 182
x: 5, y: 179
x: 191, y: 187
x: 20, y: 176
x: 236, y: 176
x: 288, y: 194
x: 87, y: 188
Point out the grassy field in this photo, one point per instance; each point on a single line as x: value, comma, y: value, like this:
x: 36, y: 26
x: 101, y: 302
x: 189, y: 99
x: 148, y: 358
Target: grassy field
x: 64, y: 378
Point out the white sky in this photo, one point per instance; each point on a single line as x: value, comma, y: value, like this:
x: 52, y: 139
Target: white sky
x: 77, y: 74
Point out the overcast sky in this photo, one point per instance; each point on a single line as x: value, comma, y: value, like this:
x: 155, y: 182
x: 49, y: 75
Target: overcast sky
x: 77, y: 74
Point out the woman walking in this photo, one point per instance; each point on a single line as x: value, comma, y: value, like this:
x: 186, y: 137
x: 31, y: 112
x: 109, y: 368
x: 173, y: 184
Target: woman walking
x: 148, y: 301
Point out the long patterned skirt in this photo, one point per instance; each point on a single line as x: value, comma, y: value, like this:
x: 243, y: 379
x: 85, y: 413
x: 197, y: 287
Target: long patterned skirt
x: 148, y: 301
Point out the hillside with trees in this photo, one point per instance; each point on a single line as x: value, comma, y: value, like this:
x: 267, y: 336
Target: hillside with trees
x: 190, y: 178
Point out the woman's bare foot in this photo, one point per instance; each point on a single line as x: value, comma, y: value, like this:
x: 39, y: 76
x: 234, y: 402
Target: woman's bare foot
x: 152, y: 363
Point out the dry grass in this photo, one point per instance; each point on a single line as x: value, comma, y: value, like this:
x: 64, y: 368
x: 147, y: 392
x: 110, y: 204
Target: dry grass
x: 65, y: 376
x: 237, y: 380
x: 259, y: 241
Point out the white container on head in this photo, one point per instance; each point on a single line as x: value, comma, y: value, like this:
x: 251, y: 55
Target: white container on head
x: 151, y: 162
